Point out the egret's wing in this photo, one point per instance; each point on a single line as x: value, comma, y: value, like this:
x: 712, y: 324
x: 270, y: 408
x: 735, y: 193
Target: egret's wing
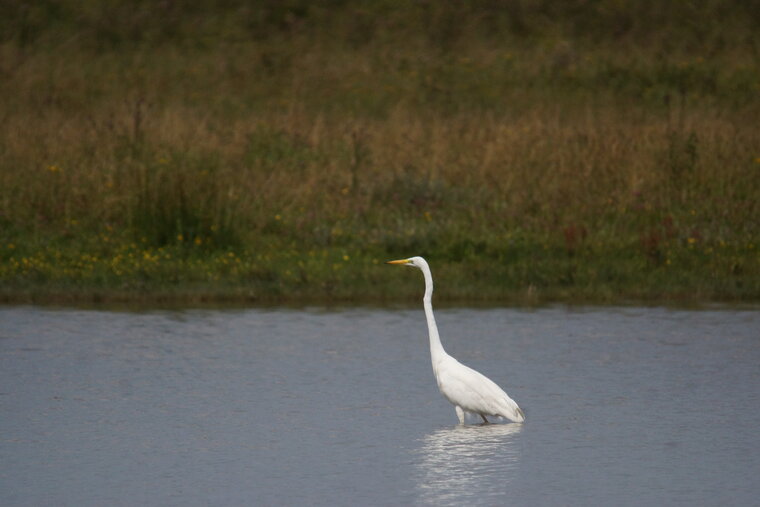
x: 475, y: 392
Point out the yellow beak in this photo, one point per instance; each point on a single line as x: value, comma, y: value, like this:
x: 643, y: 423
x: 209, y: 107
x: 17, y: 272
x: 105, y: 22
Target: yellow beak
x: 400, y: 261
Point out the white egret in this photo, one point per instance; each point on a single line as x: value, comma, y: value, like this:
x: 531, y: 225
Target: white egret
x: 468, y: 390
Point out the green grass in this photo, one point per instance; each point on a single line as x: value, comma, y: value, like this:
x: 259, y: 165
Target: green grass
x: 574, y: 151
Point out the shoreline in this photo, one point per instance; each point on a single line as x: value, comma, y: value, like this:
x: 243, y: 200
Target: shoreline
x: 210, y: 297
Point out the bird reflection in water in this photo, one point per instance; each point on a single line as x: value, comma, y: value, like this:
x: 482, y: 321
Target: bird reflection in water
x: 467, y: 464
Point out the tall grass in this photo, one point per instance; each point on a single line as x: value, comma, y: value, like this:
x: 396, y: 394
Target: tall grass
x: 571, y: 148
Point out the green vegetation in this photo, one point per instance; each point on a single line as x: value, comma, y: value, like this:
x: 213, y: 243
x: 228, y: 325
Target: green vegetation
x: 275, y: 150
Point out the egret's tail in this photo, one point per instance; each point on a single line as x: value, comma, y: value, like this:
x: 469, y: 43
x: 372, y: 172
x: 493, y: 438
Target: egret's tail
x: 514, y: 413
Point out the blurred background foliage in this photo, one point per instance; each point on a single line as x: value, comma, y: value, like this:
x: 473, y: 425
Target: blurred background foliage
x: 593, y: 149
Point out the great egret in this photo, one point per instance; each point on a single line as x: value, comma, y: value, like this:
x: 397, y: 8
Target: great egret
x: 468, y: 390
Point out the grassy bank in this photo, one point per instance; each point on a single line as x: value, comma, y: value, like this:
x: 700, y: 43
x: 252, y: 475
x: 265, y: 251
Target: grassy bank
x: 283, y: 151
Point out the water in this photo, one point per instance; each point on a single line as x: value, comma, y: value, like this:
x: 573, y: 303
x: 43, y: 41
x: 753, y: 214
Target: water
x: 625, y: 406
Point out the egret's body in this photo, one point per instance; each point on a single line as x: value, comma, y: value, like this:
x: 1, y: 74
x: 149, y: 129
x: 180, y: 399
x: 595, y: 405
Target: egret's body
x: 468, y: 390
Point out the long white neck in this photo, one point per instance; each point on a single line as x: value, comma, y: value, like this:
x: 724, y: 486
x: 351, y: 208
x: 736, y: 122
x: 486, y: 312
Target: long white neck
x: 436, y: 349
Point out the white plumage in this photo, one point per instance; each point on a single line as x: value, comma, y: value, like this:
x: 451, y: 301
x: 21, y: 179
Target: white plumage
x: 467, y: 389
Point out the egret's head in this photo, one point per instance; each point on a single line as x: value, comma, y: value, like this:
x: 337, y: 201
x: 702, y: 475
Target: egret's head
x: 417, y: 262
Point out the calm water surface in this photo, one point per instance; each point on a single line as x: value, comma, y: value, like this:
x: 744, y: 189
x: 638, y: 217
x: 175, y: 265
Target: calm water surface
x: 625, y: 406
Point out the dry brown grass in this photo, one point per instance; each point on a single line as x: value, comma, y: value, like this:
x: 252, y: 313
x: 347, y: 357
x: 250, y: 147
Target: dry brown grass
x: 375, y: 143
